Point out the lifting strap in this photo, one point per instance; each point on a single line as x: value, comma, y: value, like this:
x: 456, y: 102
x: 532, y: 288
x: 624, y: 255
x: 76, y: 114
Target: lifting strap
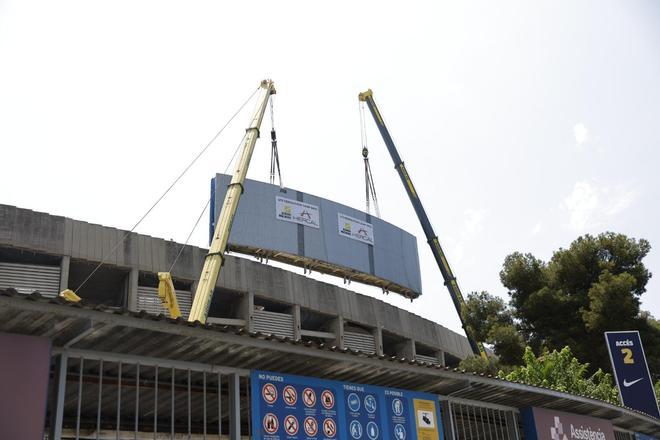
x: 370, y: 187
x: 274, y: 154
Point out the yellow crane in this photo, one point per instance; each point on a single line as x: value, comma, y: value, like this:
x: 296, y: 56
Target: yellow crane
x: 215, y: 257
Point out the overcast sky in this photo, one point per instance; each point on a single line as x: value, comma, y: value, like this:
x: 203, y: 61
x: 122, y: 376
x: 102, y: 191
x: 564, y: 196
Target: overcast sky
x: 523, y: 124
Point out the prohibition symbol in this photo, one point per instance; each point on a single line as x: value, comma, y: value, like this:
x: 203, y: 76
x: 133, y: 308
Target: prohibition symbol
x: 327, y: 399
x: 290, y: 395
x: 309, y: 397
x: 329, y: 428
x: 291, y: 425
x: 270, y: 423
x: 311, y: 426
x: 269, y: 393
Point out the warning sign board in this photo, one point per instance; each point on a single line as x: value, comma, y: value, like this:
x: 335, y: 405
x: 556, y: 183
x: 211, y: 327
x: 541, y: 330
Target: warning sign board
x: 291, y: 425
x: 309, y: 397
x: 269, y: 393
x: 427, y: 428
x: 288, y: 407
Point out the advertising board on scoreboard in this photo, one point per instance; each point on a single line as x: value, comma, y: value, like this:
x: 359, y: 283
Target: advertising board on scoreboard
x: 296, y: 407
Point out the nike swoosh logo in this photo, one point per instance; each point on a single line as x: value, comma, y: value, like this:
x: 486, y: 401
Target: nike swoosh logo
x: 627, y: 384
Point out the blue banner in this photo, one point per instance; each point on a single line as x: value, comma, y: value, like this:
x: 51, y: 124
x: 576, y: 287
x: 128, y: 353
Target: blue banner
x: 631, y: 371
x: 287, y: 407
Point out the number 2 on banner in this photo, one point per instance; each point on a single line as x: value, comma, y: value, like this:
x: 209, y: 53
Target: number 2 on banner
x: 627, y: 356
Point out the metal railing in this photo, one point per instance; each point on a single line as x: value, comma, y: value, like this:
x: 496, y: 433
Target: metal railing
x: 112, y: 396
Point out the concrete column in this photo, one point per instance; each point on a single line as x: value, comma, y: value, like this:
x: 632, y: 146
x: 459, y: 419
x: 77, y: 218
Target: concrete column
x: 234, y: 407
x: 378, y: 338
x: 297, y: 323
x: 132, y: 290
x: 65, y: 264
x: 407, y: 349
x: 338, y: 329
x: 440, y: 356
x: 246, y: 308
x: 57, y: 399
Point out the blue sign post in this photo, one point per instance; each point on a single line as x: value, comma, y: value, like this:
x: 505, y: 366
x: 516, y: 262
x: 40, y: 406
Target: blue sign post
x: 631, y: 371
x: 287, y: 407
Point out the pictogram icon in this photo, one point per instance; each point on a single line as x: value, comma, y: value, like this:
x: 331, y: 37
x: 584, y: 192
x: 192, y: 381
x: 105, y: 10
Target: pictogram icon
x: 269, y: 393
x: 309, y: 397
x: 327, y: 399
x: 291, y: 425
x: 290, y: 395
x: 270, y: 423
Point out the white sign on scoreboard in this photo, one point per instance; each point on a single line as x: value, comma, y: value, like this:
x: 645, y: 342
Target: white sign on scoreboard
x: 356, y: 229
x: 296, y: 212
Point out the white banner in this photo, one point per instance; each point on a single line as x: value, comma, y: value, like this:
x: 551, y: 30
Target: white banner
x: 356, y: 229
x: 296, y: 212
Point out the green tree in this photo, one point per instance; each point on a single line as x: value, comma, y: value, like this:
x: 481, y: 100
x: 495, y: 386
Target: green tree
x: 561, y: 371
x: 591, y: 287
x: 489, y: 319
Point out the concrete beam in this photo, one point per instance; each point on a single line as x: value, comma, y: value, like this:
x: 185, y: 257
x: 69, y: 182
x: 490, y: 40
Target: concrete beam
x: 132, y: 290
x: 338, y: 329
x: 65, y: 264
x: 246, y: 309
x: 378, y: 339
x: 297, y: 324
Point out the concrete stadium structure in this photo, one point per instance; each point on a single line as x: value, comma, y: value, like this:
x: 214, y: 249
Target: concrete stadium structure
x: 121, y: 370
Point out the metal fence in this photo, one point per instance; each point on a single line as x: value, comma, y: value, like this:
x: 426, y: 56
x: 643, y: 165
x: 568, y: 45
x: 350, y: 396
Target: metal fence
x: 468, y: 421
x: 108, y: 396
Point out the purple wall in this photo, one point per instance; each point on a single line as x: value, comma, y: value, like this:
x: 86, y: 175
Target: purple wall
x: 24, y: 371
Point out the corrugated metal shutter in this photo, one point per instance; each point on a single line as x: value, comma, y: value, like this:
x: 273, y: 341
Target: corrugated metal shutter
x: 280, y: 324
x: 26, y: 278
x: 428, y: 359
x: 149, y: 302
x: 360, y: 341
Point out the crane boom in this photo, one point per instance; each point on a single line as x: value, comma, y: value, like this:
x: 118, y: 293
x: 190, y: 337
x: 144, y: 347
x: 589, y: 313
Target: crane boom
x: 215, y: 257
x: 431, y: 237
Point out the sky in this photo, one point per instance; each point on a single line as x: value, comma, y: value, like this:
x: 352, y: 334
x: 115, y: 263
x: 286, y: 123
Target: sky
x: 522, y: 124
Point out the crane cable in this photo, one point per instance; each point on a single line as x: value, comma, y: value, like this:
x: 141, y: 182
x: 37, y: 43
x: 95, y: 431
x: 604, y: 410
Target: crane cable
x: 201, y: 214
x: 162, y: 196
x: 274, y: 154
x: 370, y: 187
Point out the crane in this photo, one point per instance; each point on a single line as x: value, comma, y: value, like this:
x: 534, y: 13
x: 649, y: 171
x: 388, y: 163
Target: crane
x: 215, y: 257
x: 432, y: 239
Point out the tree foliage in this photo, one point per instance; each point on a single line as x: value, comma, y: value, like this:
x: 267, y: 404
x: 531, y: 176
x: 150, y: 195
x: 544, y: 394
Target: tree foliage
x: 561, y: 371
x: 593, y: 286
x: 489, y: 320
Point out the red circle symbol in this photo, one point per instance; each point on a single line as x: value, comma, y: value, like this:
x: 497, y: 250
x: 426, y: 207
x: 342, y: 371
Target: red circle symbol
x: 290, y: 395
x: 270, y: 423
x: 291, y: 425
x: 269, y: 393
x: 309, y: 397
x: 329, y: 428
x: 311, y: 426
x: 327, y: 399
